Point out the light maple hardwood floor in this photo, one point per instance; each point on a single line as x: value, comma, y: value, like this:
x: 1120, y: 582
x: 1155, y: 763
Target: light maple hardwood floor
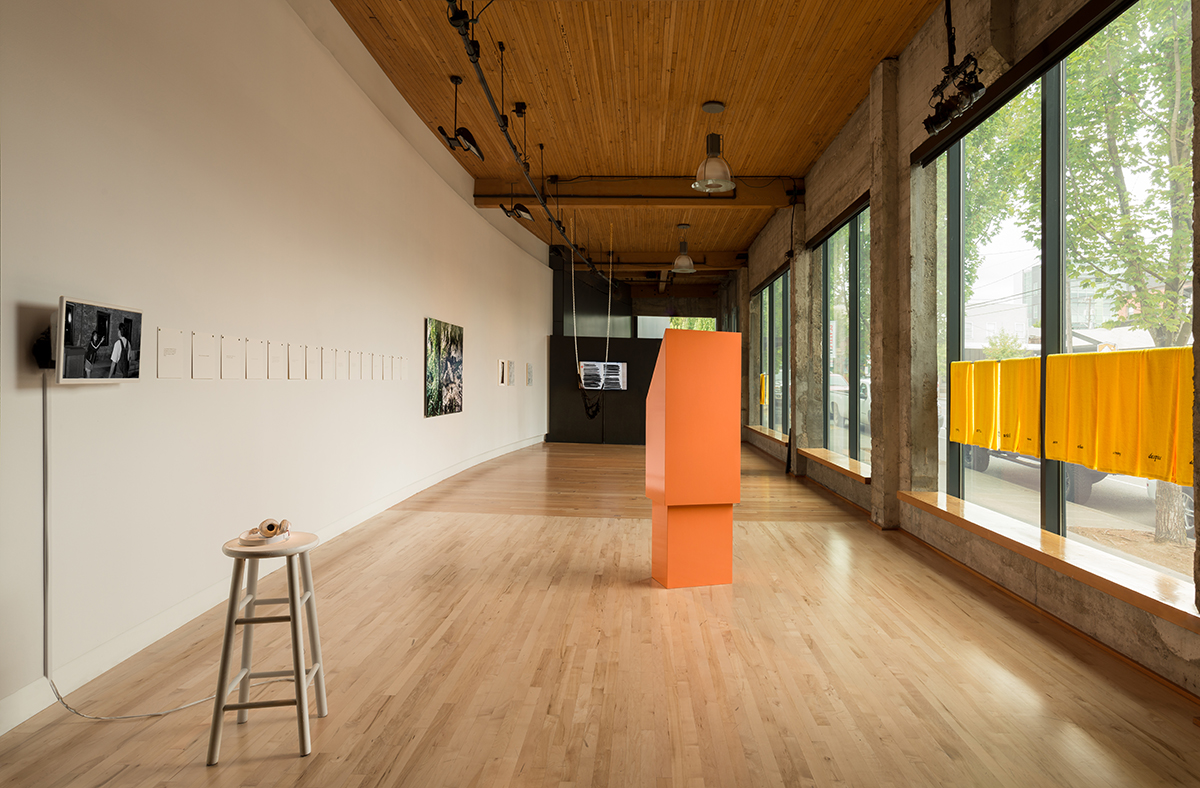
x: 501, y: 629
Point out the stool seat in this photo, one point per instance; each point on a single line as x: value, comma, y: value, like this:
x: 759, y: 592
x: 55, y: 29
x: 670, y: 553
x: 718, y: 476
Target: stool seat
x: 302, y: 604
x: 298, y: 542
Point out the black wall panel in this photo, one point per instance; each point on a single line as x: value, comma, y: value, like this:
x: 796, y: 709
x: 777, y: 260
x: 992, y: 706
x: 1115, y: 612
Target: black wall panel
x: 622, y: 417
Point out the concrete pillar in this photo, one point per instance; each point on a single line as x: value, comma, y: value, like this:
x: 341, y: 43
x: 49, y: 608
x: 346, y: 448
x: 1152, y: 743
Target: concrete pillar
x: 807, y: 345
x: 890, y: 352
x: 749, y: 361
x: 923, y: 326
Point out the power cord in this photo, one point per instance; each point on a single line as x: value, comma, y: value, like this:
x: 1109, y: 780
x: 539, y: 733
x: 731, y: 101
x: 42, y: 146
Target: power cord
x: 78, y: 713
x: 46, y: 670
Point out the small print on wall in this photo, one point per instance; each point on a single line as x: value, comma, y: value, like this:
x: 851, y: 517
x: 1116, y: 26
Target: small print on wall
x: 443, y: 368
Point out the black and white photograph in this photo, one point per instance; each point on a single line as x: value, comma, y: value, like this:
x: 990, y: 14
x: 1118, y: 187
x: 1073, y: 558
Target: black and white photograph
x: 98, y: 342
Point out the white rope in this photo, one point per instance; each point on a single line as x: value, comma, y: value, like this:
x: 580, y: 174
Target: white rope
x: 574, y: 317
x: 608, y: 317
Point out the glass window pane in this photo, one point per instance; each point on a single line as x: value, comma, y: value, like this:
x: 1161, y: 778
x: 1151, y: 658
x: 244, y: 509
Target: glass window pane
x: 764, y: 367
x: 943, y: 373
x: 1001, y: 282
x: 785, y: 278
x: 837, y: 250
x: 1129, y: 250
x: 777, y: 341
x: 863, y: 387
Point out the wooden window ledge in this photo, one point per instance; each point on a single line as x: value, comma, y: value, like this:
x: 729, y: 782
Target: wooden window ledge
x: 769, y: 434
x: 1157, y: 593
x: 858, y: 471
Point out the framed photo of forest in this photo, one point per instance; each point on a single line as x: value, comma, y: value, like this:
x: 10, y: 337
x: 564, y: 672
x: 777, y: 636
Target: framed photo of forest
x: 443, y: 368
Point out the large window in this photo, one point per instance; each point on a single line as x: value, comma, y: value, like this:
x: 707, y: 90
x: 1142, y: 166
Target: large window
x: 846, y: 258
x: 770, y: 327
x: 1066, y: 219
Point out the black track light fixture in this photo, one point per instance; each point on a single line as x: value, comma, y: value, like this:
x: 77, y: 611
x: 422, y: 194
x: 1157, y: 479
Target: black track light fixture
x: 961, y: 80
x: 517, y: 211
x: 462, y: 138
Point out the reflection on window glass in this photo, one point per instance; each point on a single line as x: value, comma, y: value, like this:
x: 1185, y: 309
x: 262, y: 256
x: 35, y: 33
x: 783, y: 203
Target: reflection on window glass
x: 943, y: 373
x: 837, y: 400
x: 1129, y: 250
x: 1002, y: 280
x: 863, y: 382
x: 770, y: 328
x: 777, y: 345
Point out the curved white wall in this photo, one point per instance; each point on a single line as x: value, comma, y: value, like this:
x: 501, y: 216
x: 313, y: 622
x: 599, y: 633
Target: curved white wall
x: 212, y: 164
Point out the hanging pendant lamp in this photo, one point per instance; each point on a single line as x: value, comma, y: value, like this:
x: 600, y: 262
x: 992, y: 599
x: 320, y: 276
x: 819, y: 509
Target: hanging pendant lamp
x: 713, y: 174
x: 683, y: 263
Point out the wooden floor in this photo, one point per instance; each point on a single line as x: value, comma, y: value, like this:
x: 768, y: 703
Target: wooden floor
x: 501, y: 629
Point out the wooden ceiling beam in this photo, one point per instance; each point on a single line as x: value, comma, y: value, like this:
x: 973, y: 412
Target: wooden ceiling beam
x: 618, y: 192
x: 630, y: 261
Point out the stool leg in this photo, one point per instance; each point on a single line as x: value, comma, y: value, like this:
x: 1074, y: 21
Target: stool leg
x: 314, y: 633
x: 294, y: 608
x: 235, y: 590
x: 248, y: 637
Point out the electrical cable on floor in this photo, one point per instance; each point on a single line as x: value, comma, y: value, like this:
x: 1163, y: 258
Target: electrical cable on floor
x: 46, y: 671
x: 78, y: 713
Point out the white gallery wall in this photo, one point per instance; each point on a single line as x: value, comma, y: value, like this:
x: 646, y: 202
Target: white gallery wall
x: 213, y: 165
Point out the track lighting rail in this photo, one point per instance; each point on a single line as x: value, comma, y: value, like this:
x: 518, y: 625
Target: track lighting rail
x: 461, y: 21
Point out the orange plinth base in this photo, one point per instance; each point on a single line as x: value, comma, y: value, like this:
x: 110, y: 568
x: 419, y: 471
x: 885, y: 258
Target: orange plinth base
x: 692, y: 545
x: 693, y: 468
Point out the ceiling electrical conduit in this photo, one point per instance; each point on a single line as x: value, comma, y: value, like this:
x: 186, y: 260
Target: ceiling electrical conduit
x: 461, y: 21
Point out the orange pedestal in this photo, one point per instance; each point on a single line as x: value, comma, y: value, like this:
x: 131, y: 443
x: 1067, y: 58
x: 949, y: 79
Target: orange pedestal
x: 693, y: 467
x: 693, y: 545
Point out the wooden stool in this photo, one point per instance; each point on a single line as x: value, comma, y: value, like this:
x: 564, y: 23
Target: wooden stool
x: 294, y: 548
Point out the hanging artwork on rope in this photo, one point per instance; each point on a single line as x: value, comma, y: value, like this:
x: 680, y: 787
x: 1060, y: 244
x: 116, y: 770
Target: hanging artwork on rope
x: 443, y: 368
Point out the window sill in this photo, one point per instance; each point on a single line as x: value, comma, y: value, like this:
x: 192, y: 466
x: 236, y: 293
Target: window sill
x: 777, y: 437
x: 1156, y: 593
x: 858, y: 471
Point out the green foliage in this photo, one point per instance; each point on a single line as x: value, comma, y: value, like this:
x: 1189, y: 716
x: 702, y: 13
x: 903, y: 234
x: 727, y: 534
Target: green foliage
x: 1004, y: 345
x: 694, y: 323
x: 1128, y: 198
x: 1130, y: 122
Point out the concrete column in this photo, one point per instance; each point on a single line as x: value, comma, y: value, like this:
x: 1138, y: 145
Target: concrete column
x: 890, y: 349
x: 749, y: 360
x: 807, y: 345
x: 923, y: 328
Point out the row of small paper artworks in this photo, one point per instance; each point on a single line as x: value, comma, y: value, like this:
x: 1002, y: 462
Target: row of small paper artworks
x: 1126, y: 412
x: 207, y: 356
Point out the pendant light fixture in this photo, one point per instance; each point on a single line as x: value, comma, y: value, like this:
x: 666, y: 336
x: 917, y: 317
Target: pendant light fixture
x: 713, y: 174
x: 683, y: 263
x: 462, y: 138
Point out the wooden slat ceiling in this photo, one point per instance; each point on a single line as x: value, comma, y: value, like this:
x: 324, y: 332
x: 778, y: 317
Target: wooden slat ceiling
x: 614, y: 91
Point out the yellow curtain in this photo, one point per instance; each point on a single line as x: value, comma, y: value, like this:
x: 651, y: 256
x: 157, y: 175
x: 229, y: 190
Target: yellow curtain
x: 1118, y: 399
x: 960, y: 402
x: 1128, y: 412
x: 1019, y: 409
x: 985, y: 387
x: 1058, y: 383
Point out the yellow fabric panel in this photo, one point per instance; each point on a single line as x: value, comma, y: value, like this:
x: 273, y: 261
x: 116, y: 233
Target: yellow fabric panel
x: 762, y: 389
x: 1081, y: 409
x: 1118, y: 400
x: 1008, y: 405
x: 985, y: 389
x: 1058, y: 378
x: 1184, y: 436
x: 1027, y: 401
x: 1158, y: 413
x: 960, y: 402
